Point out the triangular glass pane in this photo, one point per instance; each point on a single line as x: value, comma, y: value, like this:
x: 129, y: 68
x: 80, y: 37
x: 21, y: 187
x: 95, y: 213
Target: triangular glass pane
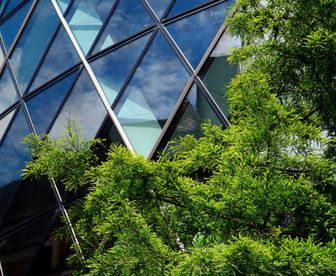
x: 217, y: 72
x: 4, y: 122
x: 60, y: 57
x: 112, y: 69
x: 43, y: 107
x: 196, y: 111
x: 194, y: 34
x: 181, y: 6
x: 83, y: 107
x: 63, y: 4
x: 129, y: 18
x: 151, y: 95
x: 110, y: 135
x: 33, y: 42
x: 11, y: 26
x: 159, y: 6
x: 85, y: 18
x: 8, y: 94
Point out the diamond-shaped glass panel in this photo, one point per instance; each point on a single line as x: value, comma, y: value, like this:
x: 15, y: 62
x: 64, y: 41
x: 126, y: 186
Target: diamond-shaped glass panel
x: 112, y: 70
x: 129, y: 18
x: 43, y: 107
x: 83, y: 107
x: 33, y: 42
x: 60, y: 57
x: 151, y: 95
x: 193, y: 34
x: 11, y: 26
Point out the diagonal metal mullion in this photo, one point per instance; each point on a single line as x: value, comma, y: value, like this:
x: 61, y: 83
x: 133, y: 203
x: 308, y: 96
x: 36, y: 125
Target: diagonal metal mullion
x: 94, y: 80
x: 205, y: 91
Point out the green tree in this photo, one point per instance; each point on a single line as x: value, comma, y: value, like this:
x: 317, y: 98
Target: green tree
x: 253, y: 199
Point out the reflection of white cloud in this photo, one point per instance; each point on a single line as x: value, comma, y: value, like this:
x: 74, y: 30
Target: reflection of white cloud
x: 19, y: 66
x: 61, y: 55
x: 224, y: 45
x: 13, y: 153
x: 129, y: 18
x: 159, y: 6
x: 113, y: 69
x: 4, y: 123
x: 34, y: 41
x: 84, y: 107
x: 8, y: 94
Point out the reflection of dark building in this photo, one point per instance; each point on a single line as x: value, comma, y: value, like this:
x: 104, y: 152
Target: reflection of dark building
x: 138, y: 72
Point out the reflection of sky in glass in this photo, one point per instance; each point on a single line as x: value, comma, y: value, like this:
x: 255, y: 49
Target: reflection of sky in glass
x: 43, y: 107
x: 84, y: 107
x: 85, y: 18
x: 151, y: 95
x: 4, y: 122
x: 34, y: 40
x: 112, y: 70
x: 60, y: 57
x: 184, y: 5
x: 8, y: 94
x: 11, y: 26
x: 13, y: 153
x: 159, y: 6
x: 129, y: 18
x: 194, y: 33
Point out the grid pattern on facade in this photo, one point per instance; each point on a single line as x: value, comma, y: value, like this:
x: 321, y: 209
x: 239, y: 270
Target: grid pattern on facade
x: 137, y: 71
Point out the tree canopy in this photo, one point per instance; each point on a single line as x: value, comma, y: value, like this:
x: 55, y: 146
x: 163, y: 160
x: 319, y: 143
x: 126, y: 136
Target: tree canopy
x: 254, y: 199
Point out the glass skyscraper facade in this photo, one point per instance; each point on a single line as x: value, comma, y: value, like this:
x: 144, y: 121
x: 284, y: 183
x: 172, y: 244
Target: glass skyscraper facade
x: 135, y: 72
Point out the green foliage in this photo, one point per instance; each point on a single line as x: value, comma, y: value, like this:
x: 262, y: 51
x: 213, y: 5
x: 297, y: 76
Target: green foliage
x: 254, y: 199
x: 294, y: 43
x: 65, y: 159
x: 244, y: 256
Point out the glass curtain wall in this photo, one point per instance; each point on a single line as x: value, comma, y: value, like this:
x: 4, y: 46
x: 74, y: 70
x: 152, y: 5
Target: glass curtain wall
x: 159, y: 66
